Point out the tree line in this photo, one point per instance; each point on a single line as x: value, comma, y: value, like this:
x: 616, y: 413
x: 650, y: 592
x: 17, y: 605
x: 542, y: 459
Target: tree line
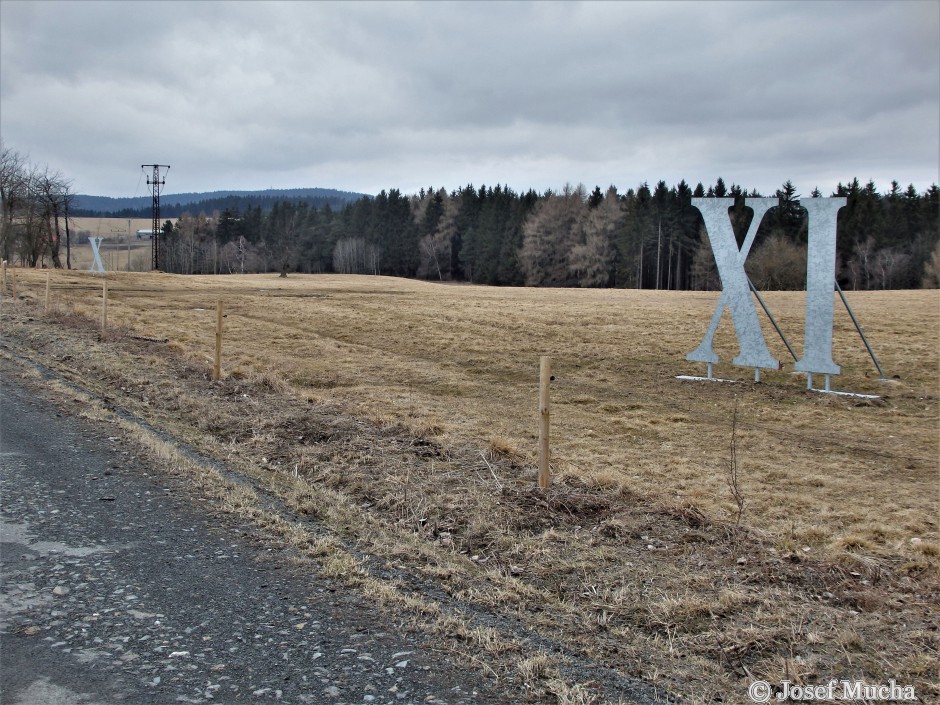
x: 650, y: 238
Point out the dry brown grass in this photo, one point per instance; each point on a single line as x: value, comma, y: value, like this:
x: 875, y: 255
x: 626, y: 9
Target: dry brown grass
x: 459, y: 364
x: 403, y: 415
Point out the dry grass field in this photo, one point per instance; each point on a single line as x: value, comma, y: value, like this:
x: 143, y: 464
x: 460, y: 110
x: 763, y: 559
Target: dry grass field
x: 406, y: 414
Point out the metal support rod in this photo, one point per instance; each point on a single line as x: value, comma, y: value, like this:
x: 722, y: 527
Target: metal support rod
x: 710, y: 370
x: 809, y: 380
x: 771, y: 317
x: 859, y: 329
x: 757, y: 374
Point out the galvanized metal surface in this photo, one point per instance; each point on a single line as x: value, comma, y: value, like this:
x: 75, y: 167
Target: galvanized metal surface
x: 97, y: 265
x: 736, y: 291
x: 820, y: 284
x: 822, y: 214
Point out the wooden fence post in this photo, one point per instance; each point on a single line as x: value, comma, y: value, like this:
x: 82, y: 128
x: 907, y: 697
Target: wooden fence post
x: 104, y: 306
x: 3, y: 277
x: 545, y: 376
x: 14, y: 283
x: 46, y: 307
x: 217, y: 368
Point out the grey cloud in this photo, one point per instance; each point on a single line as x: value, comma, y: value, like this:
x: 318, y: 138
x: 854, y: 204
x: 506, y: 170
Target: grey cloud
x: 245, y: 95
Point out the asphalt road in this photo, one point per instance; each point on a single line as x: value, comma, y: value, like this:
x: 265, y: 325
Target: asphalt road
x: 117, y: 587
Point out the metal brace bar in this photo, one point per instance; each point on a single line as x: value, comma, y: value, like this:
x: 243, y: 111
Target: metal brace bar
x: 771, y: 317
x: 859, y: 329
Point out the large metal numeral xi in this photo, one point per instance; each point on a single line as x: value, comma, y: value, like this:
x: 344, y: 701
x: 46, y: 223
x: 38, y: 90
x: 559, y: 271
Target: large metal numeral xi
x: 736, y: 289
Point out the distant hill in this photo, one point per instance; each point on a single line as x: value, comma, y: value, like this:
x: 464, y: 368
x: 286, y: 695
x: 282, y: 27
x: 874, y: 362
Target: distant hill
x: 173, y: 205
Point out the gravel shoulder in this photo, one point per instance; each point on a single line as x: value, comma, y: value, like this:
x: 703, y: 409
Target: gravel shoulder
x: 119, y: 586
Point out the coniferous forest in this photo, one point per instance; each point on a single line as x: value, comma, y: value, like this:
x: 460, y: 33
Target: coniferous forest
x: 644, y: 238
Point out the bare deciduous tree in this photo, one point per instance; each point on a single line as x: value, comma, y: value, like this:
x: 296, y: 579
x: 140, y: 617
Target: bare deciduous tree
x: 859, y: 265
x: 554, y: 227
x: 238, y: 255
x: 354, y: 256
x: 34, y: 203
x: 931, y: 279
x: 13, y: 195
x: 437, y: 247
x: 53, y: 192
x: 779, y: 264
x: 890, y: 264
x: 591, y: 261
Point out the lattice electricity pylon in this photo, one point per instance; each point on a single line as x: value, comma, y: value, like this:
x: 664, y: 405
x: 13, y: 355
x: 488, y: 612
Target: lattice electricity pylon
x: 156, y: 182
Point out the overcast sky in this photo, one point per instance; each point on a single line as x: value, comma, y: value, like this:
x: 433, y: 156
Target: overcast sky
x: 364, y: 96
